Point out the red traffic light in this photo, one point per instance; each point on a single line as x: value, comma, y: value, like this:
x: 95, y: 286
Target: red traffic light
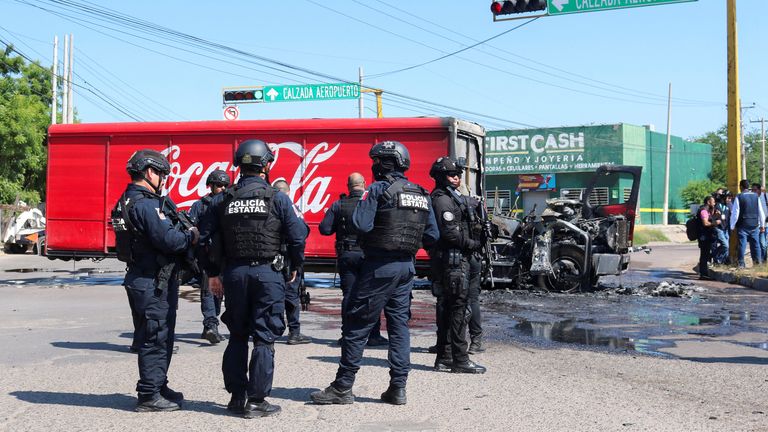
x: 517, y: 6
x: 243, y: 95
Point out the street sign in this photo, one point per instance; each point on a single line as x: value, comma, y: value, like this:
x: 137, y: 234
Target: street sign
x: 231, y: 113
x: 311, y: 92
x: 562, y: 7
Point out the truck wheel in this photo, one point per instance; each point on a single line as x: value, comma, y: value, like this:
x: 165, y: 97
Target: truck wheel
x: 14, y: 248
x: 568, y: 268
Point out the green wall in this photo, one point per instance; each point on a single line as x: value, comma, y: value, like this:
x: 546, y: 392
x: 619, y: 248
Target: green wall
x: 623, y: 144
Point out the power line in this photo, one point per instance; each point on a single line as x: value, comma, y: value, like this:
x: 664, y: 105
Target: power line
x: 588, y: 81
x: 453, y: 53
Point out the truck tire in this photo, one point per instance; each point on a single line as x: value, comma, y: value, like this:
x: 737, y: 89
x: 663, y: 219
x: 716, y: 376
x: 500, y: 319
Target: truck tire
x: 568, y: 267
x: 13, y: 248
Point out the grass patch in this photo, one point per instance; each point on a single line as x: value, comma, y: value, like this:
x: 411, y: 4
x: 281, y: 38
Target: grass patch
x: 644, y: 236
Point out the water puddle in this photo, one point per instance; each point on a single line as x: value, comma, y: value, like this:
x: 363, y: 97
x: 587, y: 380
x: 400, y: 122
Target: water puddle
x: 629, y: 323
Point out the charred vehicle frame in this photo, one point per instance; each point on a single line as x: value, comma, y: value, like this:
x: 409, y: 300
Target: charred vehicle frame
x: 571, y: 244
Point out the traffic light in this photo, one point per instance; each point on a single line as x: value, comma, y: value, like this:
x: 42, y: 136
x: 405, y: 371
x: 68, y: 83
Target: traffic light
x: 517, y: 6
x: 243, y: 96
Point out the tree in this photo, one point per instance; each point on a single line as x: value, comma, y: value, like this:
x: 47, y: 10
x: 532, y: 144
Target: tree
x: 25, y: 102
x: 696, y: 190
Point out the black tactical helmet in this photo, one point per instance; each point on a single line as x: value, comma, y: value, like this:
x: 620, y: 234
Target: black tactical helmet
x: 217, y: 178
x: 392, y: 149
x: 143, y: 159
x: 253, y: 153
x: 444, y: 166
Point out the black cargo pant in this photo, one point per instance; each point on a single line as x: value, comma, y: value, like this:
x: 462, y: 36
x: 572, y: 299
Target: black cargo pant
x: 453, y: 314
x: 155, y: 313
x: 254, y: 295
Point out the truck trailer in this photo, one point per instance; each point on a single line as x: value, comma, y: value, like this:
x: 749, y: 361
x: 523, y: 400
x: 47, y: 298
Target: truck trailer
x: 86, y: 168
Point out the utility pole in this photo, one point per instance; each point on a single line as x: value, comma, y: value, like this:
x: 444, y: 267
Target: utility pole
x: 360, y: 104
x: 743, y: 139
x: 64, y: 81
x: 665, y: 212
x: 762, y: 149
x: 734, y: 114
x: 71, y: 106
x: 54, y: 79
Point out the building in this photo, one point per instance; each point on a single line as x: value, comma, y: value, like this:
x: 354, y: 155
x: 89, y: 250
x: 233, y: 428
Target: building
x: 526, y: 167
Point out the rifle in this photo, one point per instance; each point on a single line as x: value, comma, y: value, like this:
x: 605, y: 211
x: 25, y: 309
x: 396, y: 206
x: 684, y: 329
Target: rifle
x: 488, y: 236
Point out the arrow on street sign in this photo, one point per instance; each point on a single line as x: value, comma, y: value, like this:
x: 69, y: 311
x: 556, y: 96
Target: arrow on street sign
x: 272, y: 93
x: 562, y: 7
x: 559, y: 4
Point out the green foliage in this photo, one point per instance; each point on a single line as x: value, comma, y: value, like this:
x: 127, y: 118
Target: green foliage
x: 24, y: 118
x: 696, y: 190
x: 644, y: 236
x: 719, y: 142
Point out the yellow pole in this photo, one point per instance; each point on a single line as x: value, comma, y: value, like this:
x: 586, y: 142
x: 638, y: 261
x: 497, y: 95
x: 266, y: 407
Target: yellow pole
x: 379, y: 113
x: 734, y: 113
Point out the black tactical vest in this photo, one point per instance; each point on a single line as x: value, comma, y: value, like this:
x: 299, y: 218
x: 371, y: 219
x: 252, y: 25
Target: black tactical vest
x: 402, y: 214
x: 126, y: 234
x: 249, y: 228
x: 346, y: 233
x: 460, y: 210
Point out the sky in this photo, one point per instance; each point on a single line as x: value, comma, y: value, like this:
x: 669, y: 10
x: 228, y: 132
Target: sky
x: 580, y: 69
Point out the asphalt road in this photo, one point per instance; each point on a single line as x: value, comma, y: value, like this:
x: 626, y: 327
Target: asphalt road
x: 64, y: 366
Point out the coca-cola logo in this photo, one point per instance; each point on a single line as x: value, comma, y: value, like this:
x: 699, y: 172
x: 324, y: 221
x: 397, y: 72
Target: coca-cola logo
x: 186, y: 182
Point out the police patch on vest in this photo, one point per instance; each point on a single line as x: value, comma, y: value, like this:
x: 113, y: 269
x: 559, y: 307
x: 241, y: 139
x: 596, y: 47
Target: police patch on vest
x: 448, y: 216
x: 247, y: 206
x: 414, y: 201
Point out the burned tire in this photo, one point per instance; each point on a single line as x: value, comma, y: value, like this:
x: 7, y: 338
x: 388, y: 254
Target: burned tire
x: 13, y: 248
x: 568, y: 268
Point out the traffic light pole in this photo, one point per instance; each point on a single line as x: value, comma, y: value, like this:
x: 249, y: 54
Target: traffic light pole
x: 734, y: 113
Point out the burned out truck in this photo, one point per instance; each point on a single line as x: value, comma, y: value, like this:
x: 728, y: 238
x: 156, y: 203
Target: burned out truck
x: 572, y: 242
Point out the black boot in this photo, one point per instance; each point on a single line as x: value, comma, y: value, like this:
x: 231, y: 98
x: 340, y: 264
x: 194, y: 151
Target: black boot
x: 469, y: 367
x: 156, y: 403
x: 443, y: 364
x: 296, y: 338
x: 394, y: 396
x: 171, y: 395
x: 255, y: 409
x: 331, y: 395
x: 211, y: 334
x: 237, y: 403
x: 476, y: 345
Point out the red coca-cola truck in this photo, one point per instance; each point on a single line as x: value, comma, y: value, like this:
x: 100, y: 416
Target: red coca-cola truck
x: 86, y: 167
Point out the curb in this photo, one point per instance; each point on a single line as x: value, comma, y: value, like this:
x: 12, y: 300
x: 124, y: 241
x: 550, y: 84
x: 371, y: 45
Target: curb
x: 758, y: 284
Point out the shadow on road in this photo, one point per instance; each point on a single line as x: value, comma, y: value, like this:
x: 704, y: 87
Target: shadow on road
x: 112, y: 401
x: 734, y: 360
x: 97, y: 346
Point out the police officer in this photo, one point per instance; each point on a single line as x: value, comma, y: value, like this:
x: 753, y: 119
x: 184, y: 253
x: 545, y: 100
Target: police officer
x: 349, y: 255
x: 210, y: 301
x: 455, y: 266
x: 394, y: 217
x: 155, y: 246
x: 292, y: 289
x: 252, y: 219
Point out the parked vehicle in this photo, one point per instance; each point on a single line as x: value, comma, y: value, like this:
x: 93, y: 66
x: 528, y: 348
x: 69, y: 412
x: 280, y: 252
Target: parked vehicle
x: 573, y: 242
x: 25, y: 232
x: 86, y: 168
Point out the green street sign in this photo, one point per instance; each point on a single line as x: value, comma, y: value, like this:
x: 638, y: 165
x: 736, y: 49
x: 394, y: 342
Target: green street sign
x: 562, y: 7
x: 311, y: 92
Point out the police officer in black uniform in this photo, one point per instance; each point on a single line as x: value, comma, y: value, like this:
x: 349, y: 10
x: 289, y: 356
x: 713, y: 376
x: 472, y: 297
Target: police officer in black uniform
x: 349, y: 255
x: 293, y: 288
x: 252, y: 219
x: 394, y: 217
x: 455, y: 266
x: 155, y: 247
x: 210, y: 303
